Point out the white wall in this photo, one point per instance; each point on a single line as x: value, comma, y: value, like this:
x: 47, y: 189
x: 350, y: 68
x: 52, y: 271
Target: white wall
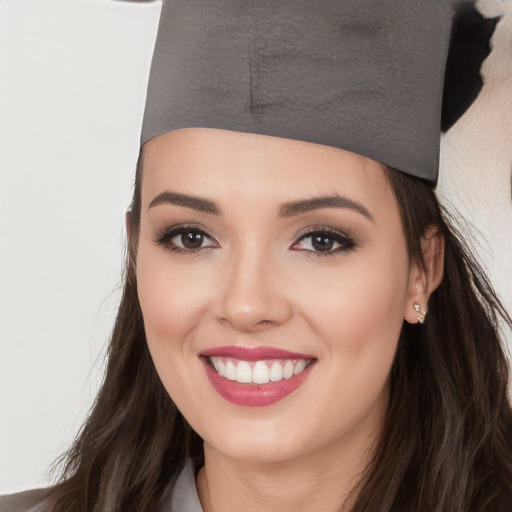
x: 73, y: 77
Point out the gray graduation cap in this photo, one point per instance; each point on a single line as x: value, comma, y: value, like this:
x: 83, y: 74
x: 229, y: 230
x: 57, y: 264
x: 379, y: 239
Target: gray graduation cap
x: 361, y: 75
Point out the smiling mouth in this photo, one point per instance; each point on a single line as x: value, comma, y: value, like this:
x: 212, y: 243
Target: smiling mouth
x: 255, y: 376
x: 258, y: 372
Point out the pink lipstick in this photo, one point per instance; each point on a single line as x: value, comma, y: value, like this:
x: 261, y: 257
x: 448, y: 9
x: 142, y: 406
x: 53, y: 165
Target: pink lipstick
x: 255, y: 376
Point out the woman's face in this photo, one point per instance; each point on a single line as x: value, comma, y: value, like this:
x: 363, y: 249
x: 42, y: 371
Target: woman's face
x: 283, y: 264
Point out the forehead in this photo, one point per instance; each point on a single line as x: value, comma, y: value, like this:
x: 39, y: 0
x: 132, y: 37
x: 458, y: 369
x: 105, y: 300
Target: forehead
x: 231, y: 164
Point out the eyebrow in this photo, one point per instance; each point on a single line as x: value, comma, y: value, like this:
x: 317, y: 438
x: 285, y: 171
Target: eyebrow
x: 195, y: 203
x: 317, y: 203
x: 287, y: 209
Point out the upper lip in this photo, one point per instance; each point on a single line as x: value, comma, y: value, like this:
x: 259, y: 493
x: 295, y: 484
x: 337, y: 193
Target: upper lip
x: 247, y: 353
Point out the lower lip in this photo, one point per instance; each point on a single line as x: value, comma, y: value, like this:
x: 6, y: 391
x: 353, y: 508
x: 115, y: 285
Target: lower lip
x: 254, y: 395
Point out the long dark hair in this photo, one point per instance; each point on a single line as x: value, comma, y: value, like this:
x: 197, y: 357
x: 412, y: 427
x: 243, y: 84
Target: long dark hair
x: 447, y: 440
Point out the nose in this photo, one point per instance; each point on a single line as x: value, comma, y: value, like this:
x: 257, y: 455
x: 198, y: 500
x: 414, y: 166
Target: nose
x: 252, y: 296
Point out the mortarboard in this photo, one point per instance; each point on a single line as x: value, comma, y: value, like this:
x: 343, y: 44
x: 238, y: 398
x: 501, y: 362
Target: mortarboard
x: 361, y: 75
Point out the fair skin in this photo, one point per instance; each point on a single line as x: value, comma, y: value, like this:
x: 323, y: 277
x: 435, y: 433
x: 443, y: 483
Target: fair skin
x: 257, y: 277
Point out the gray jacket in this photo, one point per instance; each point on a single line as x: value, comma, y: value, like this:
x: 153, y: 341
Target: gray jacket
x: 184, y: 497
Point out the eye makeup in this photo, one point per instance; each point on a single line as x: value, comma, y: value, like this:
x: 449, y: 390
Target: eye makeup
x: 188, y: 239
x: 185, y: 239
x: 321, y: 241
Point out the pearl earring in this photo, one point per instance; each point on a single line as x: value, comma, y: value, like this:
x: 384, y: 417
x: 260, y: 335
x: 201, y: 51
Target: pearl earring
x: 421, y: 313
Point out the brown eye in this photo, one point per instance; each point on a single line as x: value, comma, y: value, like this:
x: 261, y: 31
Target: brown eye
x: 190, y: 240
x: 324, y: 241
x: 185, y: 239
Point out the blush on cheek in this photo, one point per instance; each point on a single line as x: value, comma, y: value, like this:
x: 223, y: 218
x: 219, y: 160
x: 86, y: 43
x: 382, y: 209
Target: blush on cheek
x: 165, y: 319
x: 366, y: 302
x: 170, y: 299
x: 363, y: 324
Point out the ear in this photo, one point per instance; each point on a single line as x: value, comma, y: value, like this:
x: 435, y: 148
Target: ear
x: 425, y: 278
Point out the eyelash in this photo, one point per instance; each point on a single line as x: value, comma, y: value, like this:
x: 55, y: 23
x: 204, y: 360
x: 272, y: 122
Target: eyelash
x: 346, y: 242
x: 166, y: 236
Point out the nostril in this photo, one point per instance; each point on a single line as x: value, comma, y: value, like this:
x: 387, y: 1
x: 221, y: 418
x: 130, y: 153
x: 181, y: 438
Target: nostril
x: 247, y: 323
x: 249, y: 304
x: 265, y: 323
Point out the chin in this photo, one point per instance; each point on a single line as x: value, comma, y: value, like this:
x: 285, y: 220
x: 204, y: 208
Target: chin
x: 257, y: 448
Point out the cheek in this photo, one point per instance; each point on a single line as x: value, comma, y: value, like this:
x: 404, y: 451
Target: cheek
x: 170, y: 295
x: 358, y: 310
x: 356, y: 313
x: 172, y: 303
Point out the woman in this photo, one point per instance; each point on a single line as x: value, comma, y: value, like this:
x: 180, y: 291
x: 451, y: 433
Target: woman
x: 300, y: 327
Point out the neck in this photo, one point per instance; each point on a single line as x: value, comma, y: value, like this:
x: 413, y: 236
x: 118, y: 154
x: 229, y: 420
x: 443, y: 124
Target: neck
x: 321, y: 480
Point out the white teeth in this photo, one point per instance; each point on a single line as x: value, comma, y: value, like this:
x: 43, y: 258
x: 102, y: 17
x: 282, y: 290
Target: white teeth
x: 276, y: 372
x: 244, y: 372
x: 230, y: 370
x: 259, y: 372
x: 288, y: 369
x: 221, y: 368
x: 299, y: 366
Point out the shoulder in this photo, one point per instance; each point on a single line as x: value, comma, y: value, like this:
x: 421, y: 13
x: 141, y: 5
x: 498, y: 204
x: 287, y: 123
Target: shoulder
x: 26, y: 501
